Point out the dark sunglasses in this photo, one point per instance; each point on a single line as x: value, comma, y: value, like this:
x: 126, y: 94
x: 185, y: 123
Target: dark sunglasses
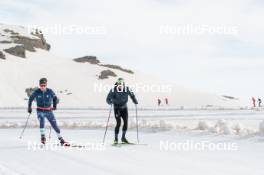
x: 43, y: 85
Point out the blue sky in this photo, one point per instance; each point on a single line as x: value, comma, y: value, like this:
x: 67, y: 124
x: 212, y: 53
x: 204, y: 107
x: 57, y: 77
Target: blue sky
x: 220, y: 63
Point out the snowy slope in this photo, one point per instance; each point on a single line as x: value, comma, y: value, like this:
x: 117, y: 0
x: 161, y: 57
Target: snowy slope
x: 245, y: 158
x: 75, y: 82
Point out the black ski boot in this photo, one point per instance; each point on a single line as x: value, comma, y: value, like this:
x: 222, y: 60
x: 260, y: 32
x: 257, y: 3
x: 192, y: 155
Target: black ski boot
x: 63, y: 142
x: 43, y: 139
x: 124, y: 140
x: 116, y: 139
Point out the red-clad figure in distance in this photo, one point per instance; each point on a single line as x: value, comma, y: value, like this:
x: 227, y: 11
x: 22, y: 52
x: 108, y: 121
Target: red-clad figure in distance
x: 254, y: 102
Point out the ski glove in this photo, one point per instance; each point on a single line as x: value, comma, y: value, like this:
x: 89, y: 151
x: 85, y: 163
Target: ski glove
x: 54, y: 108
x: 30, y: 110
x: 110, y: 102
x: 135, y: 101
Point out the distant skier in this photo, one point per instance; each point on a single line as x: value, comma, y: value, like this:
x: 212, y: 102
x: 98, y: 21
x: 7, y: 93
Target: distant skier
x: 254, y: 102
x: 259, y: 102
x: 118, y: 96
x: 167, y: 101
x: 159, y: 102
x: 46, y: 102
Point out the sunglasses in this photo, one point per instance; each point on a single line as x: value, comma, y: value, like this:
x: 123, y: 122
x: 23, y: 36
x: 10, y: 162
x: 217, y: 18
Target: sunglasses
x: 43, y: 85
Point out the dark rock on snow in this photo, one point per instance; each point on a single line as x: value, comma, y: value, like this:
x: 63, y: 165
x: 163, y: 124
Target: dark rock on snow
x: 30, y: 43
x: 87, y: 59
x: 94, y: 60
x: 2, y: 55
x: 17, y: 51
x: 106, y: 74
x: 117, y: 68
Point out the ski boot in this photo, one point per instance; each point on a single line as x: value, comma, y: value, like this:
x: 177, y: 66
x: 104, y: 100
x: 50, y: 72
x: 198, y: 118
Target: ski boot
x: 115, y: 142
x: 116, y: 139
x: 63, y: 142
x: 43, y: 139
x: 125, y: 141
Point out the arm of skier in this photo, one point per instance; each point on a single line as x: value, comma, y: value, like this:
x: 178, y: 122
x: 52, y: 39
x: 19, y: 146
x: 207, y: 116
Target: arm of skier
x: 31, y: 98
x: 132, y: 96
x: 109, y: 98
x: 55, y: 100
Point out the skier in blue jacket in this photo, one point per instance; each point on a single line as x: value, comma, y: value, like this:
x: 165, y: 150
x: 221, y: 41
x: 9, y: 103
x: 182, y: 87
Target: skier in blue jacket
x: 118, y: 96
x: 46, y: 101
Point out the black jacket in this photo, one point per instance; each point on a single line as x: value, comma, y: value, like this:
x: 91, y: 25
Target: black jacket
x: 120, y: 98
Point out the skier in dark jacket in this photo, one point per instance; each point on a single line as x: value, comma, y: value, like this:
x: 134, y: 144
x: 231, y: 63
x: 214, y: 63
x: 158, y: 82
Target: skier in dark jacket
x: 118, y: 96
x: 46, y: 101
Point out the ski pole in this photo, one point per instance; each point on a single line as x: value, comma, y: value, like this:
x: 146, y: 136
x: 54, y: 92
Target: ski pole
x: 22, y: 133
x: 137, y: 123
x: 50, y: 132
x: 107, y: 124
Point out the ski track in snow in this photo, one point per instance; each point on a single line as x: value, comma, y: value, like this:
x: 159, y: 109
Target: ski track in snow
x: 16, y: 159
x: 128, y: 160
x: 4, y: 170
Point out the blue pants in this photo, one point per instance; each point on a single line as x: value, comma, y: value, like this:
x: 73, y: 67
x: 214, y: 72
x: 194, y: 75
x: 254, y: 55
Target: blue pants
x: 50, y: 116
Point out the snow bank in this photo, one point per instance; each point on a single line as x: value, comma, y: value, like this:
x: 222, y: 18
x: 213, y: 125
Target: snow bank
x: 202, y: 125
x: 223, y: 127
x: 220, y: 127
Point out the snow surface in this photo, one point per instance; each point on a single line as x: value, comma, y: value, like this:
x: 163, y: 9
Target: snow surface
x: 17, y: 158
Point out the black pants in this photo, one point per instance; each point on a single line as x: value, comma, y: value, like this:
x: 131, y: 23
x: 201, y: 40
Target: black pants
x: 121, y: 113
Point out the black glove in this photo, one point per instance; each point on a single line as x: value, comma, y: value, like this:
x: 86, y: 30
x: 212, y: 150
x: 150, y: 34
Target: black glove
x: 110, y: 102
x: 29, y: 110
x: 54, y: 108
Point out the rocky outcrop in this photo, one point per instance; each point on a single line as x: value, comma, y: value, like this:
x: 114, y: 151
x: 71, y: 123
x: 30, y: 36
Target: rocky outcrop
x: 87, y: 59
x: 230, y: 97
x: 23, y: 43
x: 2, y: 55
x: 11, y: 32
x: 18, y: 51
x: 5, y: 42
x: 94, y: 60
x: 30, y: 44
x: 106, y: 74
x: 117, y: 68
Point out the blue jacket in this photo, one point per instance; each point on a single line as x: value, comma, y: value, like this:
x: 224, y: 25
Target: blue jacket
x: 43, y: 99
x: 120, y: 98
